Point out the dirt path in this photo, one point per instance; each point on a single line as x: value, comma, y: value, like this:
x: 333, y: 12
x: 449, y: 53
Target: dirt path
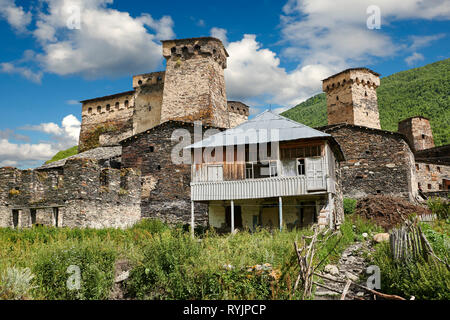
x: 352, y: 266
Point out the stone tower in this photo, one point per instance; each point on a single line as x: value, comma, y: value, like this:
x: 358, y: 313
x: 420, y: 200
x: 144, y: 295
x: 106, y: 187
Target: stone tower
x: 194, y: 87
x: 352, y: 97
x: 418, y: 131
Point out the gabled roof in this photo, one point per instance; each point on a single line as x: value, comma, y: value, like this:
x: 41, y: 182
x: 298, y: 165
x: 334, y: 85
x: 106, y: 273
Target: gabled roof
x: 262, y: 125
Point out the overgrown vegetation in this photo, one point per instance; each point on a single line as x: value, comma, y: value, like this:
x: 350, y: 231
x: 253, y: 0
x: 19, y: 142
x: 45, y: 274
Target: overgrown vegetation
x: 63, y: 154
x: 349, y: 205
x: 420, y: 91
x: 423, y: 279
x: 166, y: 262
x: 439, y: 207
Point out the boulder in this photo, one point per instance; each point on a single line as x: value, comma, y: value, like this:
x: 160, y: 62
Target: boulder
x: 331, y: 269
x: 380, y: 237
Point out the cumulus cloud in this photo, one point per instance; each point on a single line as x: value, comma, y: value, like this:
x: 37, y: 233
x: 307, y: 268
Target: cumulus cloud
x: 108, y: 43
x: 221, y: 34
x: 27, y: 154
x: 16, y: 16
x: 414, y: 58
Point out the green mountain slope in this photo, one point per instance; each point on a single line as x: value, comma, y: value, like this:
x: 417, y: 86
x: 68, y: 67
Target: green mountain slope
x: 421, y: 91
x: 63, y: 154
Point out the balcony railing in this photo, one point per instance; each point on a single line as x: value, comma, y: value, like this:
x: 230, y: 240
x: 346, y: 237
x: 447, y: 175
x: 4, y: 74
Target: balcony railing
x: 250, y: 188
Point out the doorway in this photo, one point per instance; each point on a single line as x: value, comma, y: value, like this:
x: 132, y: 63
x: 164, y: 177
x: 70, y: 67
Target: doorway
x: 237, y: 217
x: 33, y: 216
x: 15, y: 216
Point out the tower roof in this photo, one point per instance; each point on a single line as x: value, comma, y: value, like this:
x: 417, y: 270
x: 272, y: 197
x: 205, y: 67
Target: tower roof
x: 353, y: 69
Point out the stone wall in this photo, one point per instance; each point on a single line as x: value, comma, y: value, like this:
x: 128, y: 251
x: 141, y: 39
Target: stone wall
x: 432, y: 177
x: 148, y: 100
x: 352, y: 98
x: 79, y: 194
x: 194, y: 86
x: 238, y: 113
x: 377, y: 162
x: 418, y: 131
x: 111, y: 114
x: 165, y: 186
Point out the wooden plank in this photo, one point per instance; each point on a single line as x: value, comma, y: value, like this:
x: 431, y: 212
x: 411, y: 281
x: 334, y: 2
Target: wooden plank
x: 347, y: 286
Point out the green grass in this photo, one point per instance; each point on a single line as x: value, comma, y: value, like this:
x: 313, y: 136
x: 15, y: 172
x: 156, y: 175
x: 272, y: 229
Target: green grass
x: 64, y: 154
x: 166, y: 262
x: 420, y: 91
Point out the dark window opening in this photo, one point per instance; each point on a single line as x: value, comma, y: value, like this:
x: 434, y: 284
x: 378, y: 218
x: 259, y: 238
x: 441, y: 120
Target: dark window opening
x: 140, y: 82
x: 197, y: 48
x: 99, y: 109
x: 173, y: 49
x: 151, y: 148
x: 378, y: 191
x: 423, y: 136
x: 365, y: 93
x: 159, y: 78
x: 237, y: 217
x: 89, y: 110
x: 429, y: 186
x: 159, y: 167
x: 104, y: 179
x: 184, y: 50
x: 301, y: 152
x: 126, y: 103
x: 33, y: 216
x: 149, y: 108
x: 359, y: 177
x: 337, y: 98
x: 214, y: 51
x: 301, y: 167
x: 438, y: 169
x: 417, y: 167
x: 263, y: 169
x: 108, y: 107
x: 56, y: 216
x: 117, y: 105
x: 428, y: 167
x: 15, y: 215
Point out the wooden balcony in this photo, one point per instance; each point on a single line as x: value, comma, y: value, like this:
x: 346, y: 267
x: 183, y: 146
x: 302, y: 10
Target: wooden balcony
x: 256, y: 188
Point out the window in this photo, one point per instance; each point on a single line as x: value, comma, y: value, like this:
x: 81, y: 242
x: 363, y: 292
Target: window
x: 423, y: 136
x: 337, y: 98
x: 15, y: 214
x: 117, y: 105
x: 365, y: 93
x: 301, y: 152
x: 301, y: 167
x: 159, y: 78
x: 438, y: 169
x: 151, y: 148
x: 263, y: 169
x: 428, y: 168
x: 33, y: 216
x: 108, y: 107
x: 99, y: 109
x: 417, y: 167
x: 140, y: 82
x: 126, y: 103
x: 149, y: 108
x: 429, y: 186
x: 56, y: 216
x: 90, y: 111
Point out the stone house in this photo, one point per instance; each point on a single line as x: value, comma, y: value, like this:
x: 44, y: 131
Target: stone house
x: 269, y: 171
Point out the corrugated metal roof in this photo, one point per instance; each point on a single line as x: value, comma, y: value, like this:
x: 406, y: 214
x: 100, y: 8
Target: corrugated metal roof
x: 264, y: 128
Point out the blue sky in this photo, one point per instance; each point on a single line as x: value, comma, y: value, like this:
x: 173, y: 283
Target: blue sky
x: 279, y: 52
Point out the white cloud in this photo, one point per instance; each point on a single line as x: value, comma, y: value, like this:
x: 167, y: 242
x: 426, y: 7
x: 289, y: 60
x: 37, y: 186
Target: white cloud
x: 108, y: 43
x: 423, y: 41
x: 414, y: 58
x: 254, y: 72
x: 9, y: 67
x: 62, y: 137
x: 220, y: 34
x: 73, y: 102
x: 15, y: 15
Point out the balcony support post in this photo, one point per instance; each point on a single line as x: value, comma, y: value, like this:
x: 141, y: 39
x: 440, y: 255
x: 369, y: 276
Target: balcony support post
x: 280, y: 212
x: 192, y: 219
x: 232, y: 216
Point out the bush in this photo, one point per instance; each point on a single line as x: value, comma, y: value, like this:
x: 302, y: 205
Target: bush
x: 96, y: 265
x: 349, y: 205
x: 424, y: 280
x: 15, y: 284
x: 439, y: 207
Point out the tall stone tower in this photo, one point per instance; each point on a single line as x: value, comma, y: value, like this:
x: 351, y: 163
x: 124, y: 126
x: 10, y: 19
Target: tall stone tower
x: 352, y: 97
x: 418, y: 131
x: 194, y: 87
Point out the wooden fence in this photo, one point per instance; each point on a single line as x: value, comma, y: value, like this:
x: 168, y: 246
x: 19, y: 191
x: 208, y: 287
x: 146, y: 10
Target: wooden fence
x: 407, y: 243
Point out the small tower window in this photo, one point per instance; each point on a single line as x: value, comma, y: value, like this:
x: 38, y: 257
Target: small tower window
x: 149, y: 108
x: 126, y: 103
x: 428, y: 168
x: 365, y: 93
x: 90, y: 111
x: 173, y: 49
x: 429, y: 186
x: 159, y: 78
x: 417, y: 167
x: 151, y: 148
x: 423, y: 136
x: 108, y: 107
x: 99, y: 109
x: 438, y: 169
x: 337, y: 98
x: 117, y: 105
x: 140, y: 82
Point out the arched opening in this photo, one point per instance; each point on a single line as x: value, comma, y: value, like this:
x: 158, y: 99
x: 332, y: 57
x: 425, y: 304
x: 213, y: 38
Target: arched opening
x: 117, y: 105
x: 99, y: 109
x: 108, y: 107
x: 126, y: 103
x: 90, y: 111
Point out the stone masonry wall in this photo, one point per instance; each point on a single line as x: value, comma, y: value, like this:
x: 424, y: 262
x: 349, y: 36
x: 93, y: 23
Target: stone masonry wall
x: 377, y: 162
x: 352, y: 98
x: 238, y: 113
x: 194, y: 86
x: 165, y: 185
x: 431, y: 177
x: 80, y: 194
x: 111, y: 114
x: 418, y: 131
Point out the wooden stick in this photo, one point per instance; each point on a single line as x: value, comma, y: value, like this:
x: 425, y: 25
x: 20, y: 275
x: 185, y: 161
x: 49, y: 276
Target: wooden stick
x: 383, y: 295
x: 335, y: 290
x: 347, y: 286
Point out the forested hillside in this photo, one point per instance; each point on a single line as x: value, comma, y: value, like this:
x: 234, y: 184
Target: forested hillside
x: 421, y: 91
